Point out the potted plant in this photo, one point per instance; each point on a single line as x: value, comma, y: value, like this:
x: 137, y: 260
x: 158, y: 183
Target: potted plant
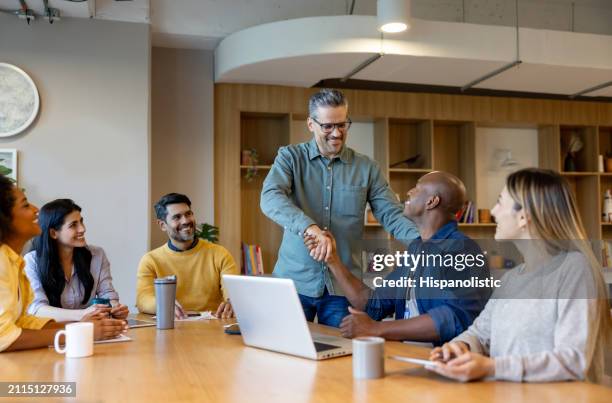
x: 250, y: 158
x: 208, y: 232
x: 6, y: 171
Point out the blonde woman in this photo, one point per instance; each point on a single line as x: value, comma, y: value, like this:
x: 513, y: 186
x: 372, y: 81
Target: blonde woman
x: 550, y: 320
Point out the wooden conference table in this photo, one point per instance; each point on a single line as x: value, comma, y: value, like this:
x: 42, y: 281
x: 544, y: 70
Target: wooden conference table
x: 197, y: 362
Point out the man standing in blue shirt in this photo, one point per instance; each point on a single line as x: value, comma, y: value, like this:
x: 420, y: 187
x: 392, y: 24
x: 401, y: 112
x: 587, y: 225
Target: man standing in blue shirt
x: 323, y: 185
x: 425, y: 314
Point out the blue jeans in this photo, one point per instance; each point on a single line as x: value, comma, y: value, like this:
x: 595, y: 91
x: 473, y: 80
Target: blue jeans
x: 329, y: 309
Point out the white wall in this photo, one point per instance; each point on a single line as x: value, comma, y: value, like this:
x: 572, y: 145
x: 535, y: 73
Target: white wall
x: 91, y: 139
x: 182, y: 92
x: 490, y: 176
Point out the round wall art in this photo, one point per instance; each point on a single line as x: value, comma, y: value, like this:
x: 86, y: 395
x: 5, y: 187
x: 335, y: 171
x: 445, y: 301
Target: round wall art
x: 19, y: 101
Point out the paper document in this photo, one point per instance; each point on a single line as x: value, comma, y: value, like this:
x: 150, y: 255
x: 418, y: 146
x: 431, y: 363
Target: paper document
x: 119, y: 339
x: 205, y: 315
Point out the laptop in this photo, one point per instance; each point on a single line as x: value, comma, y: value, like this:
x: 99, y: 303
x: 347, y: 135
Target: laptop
x: 270, y: 316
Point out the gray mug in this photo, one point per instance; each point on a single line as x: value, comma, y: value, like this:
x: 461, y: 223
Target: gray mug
x: 165, y: 295
x: 368, y: 357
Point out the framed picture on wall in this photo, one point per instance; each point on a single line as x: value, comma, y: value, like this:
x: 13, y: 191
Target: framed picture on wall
x: 8, y: 163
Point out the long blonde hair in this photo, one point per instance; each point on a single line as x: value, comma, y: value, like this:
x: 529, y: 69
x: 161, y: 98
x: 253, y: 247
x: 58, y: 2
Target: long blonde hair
x: 551, y: 207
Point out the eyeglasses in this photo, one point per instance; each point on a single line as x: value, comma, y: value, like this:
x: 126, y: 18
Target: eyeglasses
x: 329, y: 127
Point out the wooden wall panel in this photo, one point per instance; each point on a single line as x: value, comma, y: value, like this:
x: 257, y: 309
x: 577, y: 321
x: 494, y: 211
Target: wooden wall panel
x: 278, y: 99
x: 227, y: 169
x: 232, y: 99
x: 256, y: 228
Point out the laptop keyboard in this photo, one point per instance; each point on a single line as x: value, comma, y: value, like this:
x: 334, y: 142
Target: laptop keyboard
x: 323, y: 347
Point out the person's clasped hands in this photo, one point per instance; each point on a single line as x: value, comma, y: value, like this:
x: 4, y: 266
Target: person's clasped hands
x: 105, y: 327
x: 320, y: 244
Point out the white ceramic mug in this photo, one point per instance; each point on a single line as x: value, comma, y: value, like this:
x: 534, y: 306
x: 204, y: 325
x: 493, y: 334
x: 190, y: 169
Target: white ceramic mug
x: 368, y: 357
x: 79, y: 340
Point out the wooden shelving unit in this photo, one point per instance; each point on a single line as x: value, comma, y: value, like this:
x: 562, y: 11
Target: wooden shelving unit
x: 264, y: 132
x: 262, y: 167
x: 440, y: 128
x: 409, y: 170
x: 605, y: 178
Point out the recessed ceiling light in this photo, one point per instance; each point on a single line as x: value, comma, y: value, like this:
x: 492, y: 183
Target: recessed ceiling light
x: 394, y: 27
x: 393, y: 15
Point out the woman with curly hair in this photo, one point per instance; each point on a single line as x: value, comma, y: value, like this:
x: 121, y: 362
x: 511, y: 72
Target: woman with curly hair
x: 18, y: 329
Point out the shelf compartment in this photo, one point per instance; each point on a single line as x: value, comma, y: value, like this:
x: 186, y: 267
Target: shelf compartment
x: 256, y: 228
x: 454, y: 152
x: 409, y: 170
x: 606, y: 232
x: 407, y: 138
x: 605, y: 182
x: 586, y: 158
x: 265, y: 133
x: 262, y: 167
x: 605, y: 145
x: 402, y: 182
x: 579, y: 173
x: 585, y: 187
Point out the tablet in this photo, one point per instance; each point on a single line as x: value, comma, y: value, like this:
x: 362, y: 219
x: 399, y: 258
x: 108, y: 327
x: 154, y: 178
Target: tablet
x: 132, y: 323
x: 417, y: 361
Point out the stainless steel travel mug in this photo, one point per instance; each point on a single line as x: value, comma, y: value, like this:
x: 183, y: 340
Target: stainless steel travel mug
x: 165, y: 295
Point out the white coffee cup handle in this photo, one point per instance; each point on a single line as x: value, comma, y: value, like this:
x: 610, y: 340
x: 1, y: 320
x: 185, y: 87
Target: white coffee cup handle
x: 56, y: 342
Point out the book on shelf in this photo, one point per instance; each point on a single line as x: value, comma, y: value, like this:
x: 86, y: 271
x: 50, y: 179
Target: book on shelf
x: 252, y: 262
x: 468, y: 214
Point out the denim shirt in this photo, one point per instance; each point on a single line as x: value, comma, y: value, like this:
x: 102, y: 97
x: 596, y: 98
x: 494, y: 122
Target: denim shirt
x: 452, y: 311
x: 304, y: 188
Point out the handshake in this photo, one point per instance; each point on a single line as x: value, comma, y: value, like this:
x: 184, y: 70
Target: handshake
x: 321, y: 245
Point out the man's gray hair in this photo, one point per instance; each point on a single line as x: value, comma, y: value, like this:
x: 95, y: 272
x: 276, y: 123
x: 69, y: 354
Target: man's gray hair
x: 326, y: 98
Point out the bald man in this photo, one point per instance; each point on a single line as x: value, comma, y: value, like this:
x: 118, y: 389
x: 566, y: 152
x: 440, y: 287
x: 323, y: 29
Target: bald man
x: 426, y: 315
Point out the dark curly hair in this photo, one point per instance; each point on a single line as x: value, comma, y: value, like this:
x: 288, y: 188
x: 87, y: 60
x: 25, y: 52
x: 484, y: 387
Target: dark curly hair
x: 7, y: 201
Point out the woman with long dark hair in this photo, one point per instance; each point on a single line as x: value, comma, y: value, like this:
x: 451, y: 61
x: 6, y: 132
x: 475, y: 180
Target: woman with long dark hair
x: 18, y: 329
x: 67, y: 274
x: 550, y: 319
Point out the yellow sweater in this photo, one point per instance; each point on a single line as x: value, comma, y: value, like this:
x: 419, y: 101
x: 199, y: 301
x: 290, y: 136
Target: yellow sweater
x: 15, y: 296
x: 198, y: 276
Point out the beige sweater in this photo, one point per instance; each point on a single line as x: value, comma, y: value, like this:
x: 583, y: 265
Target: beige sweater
x: 536, y: 326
